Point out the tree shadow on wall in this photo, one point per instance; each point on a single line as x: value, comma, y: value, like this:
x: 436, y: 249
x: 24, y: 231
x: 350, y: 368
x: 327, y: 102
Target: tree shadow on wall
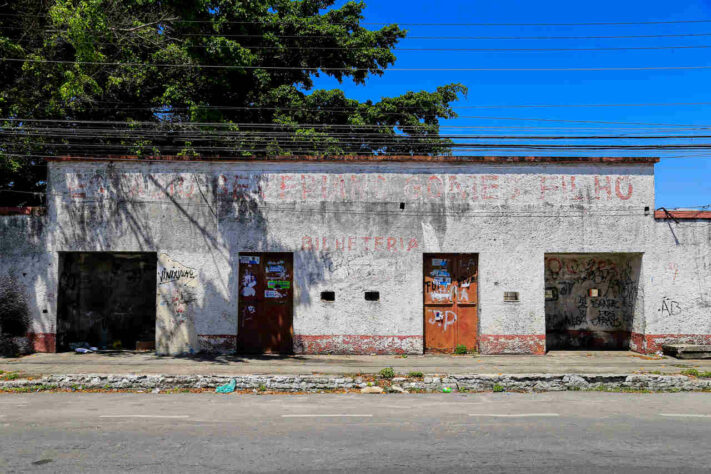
x: 209, y: 215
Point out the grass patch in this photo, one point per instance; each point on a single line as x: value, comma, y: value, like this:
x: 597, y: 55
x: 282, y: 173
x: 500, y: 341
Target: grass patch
x: 499, y: 388
x: 387, y: 373
x: 33, y: 388
x: 461, y: 349
x: 696, y: 373
x: 415, y: 375
x: 10, y: 376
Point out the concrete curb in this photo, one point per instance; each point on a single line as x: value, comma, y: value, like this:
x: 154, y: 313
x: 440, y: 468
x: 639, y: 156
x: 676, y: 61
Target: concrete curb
x: 317, y: 383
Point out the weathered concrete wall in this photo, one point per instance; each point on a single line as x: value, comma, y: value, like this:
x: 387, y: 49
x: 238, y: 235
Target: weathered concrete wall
x: 606, y: 319
x: 353, y: 228
x: 678, y: 278
x: 27, y: 283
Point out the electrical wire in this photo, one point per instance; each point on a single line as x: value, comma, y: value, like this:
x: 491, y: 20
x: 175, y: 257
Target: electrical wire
x: 357, y: 69
x: 170, y: 108
x: 318, y: 125
x: 276, y: 20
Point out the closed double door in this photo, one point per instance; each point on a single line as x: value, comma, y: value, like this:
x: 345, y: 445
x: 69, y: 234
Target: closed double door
x: 265, y: 303
x: 450, y: 301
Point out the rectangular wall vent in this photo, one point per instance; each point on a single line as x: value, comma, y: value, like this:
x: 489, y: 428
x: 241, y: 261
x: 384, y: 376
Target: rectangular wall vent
x: 511, y: 296
x: 328, y: 296
x: 372, y: 296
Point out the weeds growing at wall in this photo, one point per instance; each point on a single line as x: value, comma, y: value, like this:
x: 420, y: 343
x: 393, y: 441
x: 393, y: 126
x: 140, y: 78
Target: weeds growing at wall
x: 461, y: 349
x: 387, y: 373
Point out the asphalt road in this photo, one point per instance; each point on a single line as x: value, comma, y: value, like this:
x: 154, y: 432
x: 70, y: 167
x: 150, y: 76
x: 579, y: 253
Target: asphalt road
x: 443, y: 433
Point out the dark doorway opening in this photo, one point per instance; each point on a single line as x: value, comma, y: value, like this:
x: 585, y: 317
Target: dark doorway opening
x: 107, y: 300
x: 591, y: 300
x: 265, y: 303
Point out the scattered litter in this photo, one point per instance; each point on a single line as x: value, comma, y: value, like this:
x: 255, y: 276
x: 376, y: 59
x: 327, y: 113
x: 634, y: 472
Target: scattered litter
x: 446, y: 390
x: 227, y: 388
x: 82, y: 347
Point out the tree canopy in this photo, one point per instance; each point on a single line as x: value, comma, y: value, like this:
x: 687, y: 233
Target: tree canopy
x: 208, y: 77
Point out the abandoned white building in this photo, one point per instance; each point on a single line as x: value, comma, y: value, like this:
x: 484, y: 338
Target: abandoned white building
x: 357, y: 255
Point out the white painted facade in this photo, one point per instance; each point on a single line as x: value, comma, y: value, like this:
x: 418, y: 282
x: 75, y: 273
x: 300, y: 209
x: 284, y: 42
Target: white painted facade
x: 364, y: 226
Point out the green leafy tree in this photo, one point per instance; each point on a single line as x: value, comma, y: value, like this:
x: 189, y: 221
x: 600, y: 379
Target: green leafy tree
x: 209, y: 77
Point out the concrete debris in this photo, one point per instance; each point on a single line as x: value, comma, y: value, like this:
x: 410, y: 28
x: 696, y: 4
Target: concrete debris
x: 688, y: 351
x: 396, y: 389
x: 371, y: 390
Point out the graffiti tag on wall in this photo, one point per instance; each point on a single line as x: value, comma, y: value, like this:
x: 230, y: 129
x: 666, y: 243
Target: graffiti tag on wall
x: 571, y: 279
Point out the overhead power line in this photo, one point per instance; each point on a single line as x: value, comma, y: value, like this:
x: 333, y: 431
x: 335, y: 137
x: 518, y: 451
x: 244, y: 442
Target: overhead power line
x: 91, y: 133
x: 317, y: 125
x: 419, y: 37
x: 457, y: 50
x: 275, y: 20
x: 346, y: 69
x: 169, y: 108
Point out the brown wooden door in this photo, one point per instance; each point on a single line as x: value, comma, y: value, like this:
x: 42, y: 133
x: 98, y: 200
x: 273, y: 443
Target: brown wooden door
x: 265, y: 303
x: 450, y: 301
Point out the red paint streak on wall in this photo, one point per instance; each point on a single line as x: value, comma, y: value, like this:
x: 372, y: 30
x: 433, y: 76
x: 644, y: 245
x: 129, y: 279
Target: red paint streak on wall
x: 22, y: 211
x: 651, y: 343
x: 620, y: 187
x: 368, y: 243
x: 637, y: 342
x: 512, y: 344
x: 43, y: 341
x: 357, y: 344
x: 607, y: 187
x: 341, y: 187
x: 489, y: 184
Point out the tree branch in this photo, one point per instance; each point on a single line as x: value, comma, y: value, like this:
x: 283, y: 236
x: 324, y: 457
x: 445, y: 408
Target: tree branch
x: 129, y: 30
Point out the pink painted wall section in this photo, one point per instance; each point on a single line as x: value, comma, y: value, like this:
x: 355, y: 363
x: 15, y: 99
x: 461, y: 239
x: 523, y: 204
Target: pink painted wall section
x: 637, y: 343
x: 652, y: 343
x: 491, y: 344
x: 356, y: 344
x: 43, y: 341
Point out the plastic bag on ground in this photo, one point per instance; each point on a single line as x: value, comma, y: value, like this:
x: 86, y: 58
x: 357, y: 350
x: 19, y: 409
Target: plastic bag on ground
x: 227, y: 388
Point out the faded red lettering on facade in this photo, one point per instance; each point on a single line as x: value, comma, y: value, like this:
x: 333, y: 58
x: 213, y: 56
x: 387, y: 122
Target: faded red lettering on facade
x: 359, y: 243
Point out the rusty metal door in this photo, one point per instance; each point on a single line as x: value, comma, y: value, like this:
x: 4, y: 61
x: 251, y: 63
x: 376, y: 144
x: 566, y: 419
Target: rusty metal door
x: 450, y: 301
x: 265, y: 303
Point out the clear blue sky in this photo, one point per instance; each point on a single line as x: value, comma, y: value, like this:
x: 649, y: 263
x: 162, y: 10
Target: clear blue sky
x: 680, y: 182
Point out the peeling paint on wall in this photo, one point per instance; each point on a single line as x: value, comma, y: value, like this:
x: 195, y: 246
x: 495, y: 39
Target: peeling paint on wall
x: 176, y: 307
x: 201, y: 215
